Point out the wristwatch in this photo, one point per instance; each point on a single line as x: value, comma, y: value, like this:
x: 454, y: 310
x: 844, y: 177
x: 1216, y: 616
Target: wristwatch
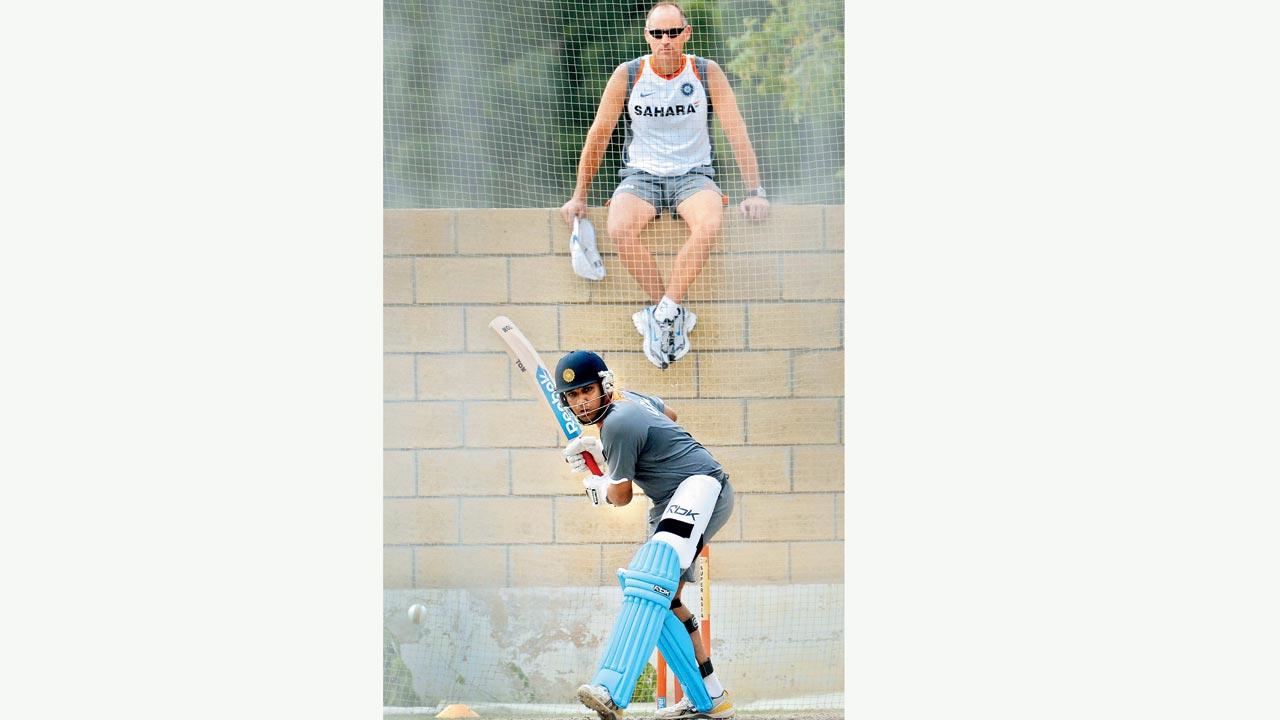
x: 758, y: 192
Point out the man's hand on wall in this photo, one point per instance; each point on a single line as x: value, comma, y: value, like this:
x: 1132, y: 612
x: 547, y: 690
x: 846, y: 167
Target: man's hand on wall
x: 755, y: 208
x: 576, y: 207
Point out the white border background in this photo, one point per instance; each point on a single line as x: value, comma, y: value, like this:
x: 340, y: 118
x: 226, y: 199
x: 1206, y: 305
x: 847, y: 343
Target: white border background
x: 1062, y: 392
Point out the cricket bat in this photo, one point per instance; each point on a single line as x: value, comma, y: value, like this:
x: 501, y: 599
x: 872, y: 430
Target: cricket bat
x: 531, y: 367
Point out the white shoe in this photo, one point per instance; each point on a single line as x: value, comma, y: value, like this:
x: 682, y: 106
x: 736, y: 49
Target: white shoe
x: 649, y: 327
x: 597, y: 698
x: 682, y: 325
x: 667, y: 339
x: 666, y: 308
x: 682, y: 710
x: 721, y: 709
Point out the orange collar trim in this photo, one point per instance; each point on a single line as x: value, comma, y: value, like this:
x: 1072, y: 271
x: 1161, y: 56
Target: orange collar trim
x: 673, y: 75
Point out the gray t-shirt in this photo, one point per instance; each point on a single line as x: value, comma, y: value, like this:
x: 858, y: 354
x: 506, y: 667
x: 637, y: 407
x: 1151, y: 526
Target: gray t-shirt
x: 644, y: 446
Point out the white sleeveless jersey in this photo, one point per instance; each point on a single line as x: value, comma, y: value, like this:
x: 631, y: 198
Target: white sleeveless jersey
x: 667, y: 132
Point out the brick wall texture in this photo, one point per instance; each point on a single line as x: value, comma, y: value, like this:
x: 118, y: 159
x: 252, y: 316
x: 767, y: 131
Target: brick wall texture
x: 475, y: 490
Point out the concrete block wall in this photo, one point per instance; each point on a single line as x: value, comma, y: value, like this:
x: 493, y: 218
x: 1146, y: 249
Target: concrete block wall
x: 476, y: 493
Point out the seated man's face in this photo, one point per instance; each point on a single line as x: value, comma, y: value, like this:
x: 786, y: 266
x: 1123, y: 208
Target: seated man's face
x: 666, y: 18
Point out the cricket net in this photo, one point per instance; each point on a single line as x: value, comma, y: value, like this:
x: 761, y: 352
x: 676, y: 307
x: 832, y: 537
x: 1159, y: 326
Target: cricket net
x: 487, y: 105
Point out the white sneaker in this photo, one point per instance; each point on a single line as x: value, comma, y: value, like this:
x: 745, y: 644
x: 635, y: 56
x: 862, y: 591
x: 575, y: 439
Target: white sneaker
x: 651, y: 329
x: 682, y: 325
x: 721, y: 709
x: 667, y: 339
x: 597, y: 698
x: 666, y: 309
x: 682, y: 710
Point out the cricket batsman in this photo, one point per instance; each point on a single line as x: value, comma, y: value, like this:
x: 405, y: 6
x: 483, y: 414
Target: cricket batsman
x: 641, y: 444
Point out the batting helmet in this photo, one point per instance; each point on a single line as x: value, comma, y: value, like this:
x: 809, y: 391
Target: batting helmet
x: 582, y: 367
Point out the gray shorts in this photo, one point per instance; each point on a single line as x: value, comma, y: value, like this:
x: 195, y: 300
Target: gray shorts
x: 666, y: 193
x: 719, y: 516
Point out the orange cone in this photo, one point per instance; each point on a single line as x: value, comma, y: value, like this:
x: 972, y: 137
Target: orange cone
x: 457, y: 711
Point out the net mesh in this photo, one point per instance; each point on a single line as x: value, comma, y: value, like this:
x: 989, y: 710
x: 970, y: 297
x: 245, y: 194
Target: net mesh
x: 487, y: 106
x: 487, y: 102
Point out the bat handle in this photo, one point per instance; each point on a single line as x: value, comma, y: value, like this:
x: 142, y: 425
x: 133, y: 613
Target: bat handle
x: 591, y: 463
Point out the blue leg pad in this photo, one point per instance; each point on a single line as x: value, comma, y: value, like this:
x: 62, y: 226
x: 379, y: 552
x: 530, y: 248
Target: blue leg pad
x: 677, y: 647
x: 648, y: 585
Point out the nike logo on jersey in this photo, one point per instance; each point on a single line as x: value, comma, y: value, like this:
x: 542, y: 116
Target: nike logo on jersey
x: 669, y: 111
x: 647, y: 94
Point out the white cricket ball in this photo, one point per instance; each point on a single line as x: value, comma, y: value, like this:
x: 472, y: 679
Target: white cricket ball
x: 417, y: 613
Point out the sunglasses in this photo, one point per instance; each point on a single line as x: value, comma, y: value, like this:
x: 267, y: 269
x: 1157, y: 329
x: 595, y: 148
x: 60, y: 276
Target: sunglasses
x: 659, y: 33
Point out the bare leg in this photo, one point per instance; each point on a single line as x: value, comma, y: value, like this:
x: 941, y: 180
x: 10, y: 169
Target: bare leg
x: 702, y: 212
x: 628, y: 216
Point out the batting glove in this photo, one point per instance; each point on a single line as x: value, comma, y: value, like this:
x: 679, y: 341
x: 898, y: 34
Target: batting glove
x: 585, y: 443
x: 597, y: 488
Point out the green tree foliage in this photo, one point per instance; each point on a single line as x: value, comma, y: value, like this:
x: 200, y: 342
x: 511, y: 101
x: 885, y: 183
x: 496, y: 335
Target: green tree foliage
x: 790, y: 66
x: 792, y: 53
x: 646, y: 686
